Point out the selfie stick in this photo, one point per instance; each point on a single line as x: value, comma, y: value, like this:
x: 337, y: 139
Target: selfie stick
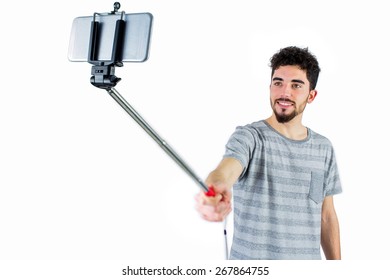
x: 104, y: 77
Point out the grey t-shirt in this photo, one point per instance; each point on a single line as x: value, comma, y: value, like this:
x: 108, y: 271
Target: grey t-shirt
x: 278, y: 197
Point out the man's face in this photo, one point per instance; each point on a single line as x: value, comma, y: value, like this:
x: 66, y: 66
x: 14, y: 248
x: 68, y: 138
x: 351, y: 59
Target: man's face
x: 290, y: 92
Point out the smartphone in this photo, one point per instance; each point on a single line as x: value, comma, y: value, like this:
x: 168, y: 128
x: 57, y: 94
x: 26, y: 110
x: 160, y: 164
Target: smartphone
x: 136, y: 39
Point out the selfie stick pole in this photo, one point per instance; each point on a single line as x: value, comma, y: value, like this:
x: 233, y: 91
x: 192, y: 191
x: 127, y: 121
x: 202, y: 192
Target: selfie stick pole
x: 163, y: 144
x: 104, y: 77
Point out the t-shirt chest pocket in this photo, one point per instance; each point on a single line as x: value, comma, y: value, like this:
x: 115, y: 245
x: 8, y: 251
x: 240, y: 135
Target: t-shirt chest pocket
x: 316, y: 191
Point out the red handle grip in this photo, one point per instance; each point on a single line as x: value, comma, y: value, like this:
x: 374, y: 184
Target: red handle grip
x: 210, y: 192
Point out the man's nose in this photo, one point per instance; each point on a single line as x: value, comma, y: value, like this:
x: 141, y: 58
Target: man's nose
x: 286, y: 90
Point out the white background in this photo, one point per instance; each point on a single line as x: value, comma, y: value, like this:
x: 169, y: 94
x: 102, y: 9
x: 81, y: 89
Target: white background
x: 80, y: 180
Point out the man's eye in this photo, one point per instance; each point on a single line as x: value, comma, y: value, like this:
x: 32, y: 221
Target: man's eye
x: 296, y: 86
x: 277, y: 84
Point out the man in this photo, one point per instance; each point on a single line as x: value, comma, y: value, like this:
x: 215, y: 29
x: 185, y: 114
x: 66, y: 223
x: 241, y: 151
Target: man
x: 284, y: 174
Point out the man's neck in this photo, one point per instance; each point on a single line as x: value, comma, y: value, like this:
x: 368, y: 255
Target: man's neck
x: 293, y: 129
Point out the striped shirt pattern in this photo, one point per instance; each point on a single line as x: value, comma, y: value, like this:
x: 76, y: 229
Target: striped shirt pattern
x: 278, y: 197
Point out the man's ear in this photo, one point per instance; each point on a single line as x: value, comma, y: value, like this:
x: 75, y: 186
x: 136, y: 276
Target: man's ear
x: 312, y: 96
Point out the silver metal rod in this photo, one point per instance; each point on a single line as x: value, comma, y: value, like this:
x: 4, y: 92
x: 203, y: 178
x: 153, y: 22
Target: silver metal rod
x: 163, y: 144
x: 225, y: 238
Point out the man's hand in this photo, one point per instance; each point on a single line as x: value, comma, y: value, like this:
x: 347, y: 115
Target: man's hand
x: 214, y: 208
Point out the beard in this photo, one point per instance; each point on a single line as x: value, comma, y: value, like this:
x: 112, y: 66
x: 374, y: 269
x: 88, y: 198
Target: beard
x: 284, y: 117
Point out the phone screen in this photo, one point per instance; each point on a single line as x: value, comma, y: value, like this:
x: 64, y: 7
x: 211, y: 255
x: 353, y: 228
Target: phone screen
x: 136, y: 42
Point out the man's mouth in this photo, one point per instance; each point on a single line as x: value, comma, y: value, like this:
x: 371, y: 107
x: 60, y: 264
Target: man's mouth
x: 284, y: 103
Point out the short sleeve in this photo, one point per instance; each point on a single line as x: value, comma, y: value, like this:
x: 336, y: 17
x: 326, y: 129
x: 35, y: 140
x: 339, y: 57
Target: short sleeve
x: 332, y: 178
x: 241, y: 145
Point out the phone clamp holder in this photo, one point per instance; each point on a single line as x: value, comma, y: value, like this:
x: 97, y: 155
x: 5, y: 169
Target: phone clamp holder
x: 103, y: 72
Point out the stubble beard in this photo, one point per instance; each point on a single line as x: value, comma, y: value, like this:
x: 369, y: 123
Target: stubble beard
x: 284, y: 117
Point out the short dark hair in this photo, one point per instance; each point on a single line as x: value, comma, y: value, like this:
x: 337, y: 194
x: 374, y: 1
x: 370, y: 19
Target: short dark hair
x: 300, y: 57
